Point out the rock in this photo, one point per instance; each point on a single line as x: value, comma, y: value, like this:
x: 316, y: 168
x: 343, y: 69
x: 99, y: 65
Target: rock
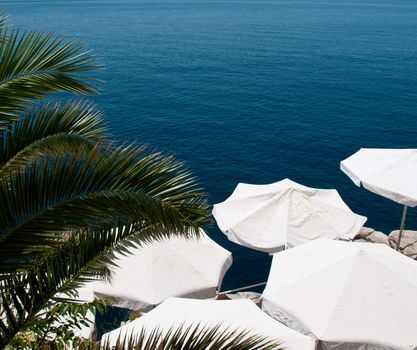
x: 408, y: 240
x: 408, y: 245
x: 255, y: 297
x: 365, y: 231
x: 367, y: 234
x: 361, y: 240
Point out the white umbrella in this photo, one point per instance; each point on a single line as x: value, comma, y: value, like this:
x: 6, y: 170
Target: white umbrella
x: 348, y: 295
x: 390, y: 173
x: 158, y: 270
x: 233, y: 314
x: 284, y: 213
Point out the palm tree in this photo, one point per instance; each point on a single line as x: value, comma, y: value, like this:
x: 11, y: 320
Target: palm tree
x: 70, y: 197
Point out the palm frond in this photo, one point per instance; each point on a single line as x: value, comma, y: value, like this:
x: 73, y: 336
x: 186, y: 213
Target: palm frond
x: 194, y: 337
x: 50, y: 130
x: 43, y: 201
x: 82, y: 256
x: 26, y: 295
x: 35, y: 64
x: 3, y: 24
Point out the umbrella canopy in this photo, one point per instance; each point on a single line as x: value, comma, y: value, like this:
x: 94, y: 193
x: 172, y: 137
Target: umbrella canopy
x: 173, y: 267
x: 390, y: 173
x: 348, y: 295
x: 235, y: 314
x: 284, y: 213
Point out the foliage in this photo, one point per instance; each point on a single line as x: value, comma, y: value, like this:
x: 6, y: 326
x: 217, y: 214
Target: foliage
x: 194, y: 337
x: 58, y: 325
x: 35, y: 64
x: 69, y: 196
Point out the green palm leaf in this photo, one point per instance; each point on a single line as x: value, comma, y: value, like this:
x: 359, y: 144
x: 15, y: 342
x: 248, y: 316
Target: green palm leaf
x: 83, y: 255
x: 54, y: 129
x: 3, y: 26
x: 194, y: 337
x: 33, y: 65
x: 41, y: 202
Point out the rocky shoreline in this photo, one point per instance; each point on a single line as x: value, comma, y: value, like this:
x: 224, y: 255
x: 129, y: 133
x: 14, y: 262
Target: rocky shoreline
x: 408, y: 244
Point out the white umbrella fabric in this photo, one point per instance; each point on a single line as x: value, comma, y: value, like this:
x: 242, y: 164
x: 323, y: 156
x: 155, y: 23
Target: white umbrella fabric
x: 348, y: 295
x: 234, y: 314
x: 177, y: 266
x: 390, y: 173
x: 284, y: 213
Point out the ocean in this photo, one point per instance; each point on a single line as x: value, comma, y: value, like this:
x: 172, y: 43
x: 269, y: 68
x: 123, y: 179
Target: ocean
x: 252, y: 91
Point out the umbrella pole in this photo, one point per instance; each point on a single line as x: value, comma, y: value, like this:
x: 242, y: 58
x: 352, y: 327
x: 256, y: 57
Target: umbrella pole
x: 402, y: 226
x: 242, y: 288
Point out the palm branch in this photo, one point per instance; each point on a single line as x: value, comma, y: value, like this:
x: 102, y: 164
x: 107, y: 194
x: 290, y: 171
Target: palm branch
x: 3, y: 26
x: 65, y: 217
x: 47, y: 131
x: 35, y: 64
x: 82, y: 257
x: 43, y: 200
x: 194, y: 337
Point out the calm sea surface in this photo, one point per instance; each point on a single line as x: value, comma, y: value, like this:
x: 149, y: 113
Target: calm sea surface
x: 253, y: 91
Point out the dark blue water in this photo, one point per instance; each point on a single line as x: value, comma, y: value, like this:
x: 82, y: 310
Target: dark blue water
x: 253, y: 91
